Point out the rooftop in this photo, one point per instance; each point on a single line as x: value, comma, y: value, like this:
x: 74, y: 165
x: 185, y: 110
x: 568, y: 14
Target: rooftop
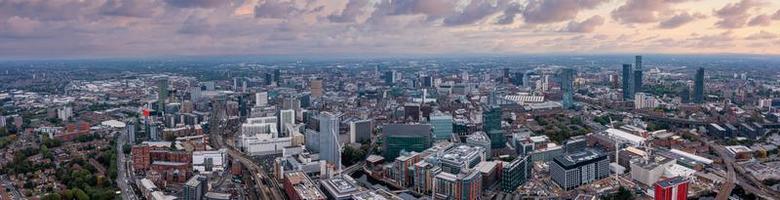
x: 584, y: 156
x: 304, y: 186
x: 669, y: 182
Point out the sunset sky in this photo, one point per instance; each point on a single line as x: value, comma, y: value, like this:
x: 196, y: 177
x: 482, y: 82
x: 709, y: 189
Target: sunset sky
x: 118, y: 28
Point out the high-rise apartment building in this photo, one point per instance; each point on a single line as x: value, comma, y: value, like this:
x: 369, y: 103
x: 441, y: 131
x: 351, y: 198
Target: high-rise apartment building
x: 329, y: 143
x: 638, y: 74
x: 675, y: 188
x: 315, y: 87
x: 567, y: 87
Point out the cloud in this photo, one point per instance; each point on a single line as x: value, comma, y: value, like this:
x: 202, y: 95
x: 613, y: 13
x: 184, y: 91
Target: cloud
x: 643, y: 11
x: 586, y: 26
x: 20, y: 27
x: 735, y: 15
x: 429, y: 8
x: 762, y: 35
x: 276, y: 9
x: 679, y: 20
x: 508, y: 17
x: 140, y: 8
x: 353, y: 9
x: 760, y: 20
x: 476, y: 10
x: 197, y: 3
x: 550, y: 11
x: 776, y: 16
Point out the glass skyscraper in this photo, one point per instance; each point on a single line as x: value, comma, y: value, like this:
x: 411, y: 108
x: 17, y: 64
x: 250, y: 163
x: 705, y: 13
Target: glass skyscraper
x: 567, y: 86
x: 698, y: 88
x: 638, y: 71
x: 491, y: 120
x: 329, y: 132
x: 627, y: 82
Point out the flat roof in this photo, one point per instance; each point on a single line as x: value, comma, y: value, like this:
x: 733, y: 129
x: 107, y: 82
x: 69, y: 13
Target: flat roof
x: 669, y: 182
x: 624, y: 135
x: 691, y: 156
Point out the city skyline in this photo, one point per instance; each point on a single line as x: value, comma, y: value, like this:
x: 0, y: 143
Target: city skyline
x: 110, y: 28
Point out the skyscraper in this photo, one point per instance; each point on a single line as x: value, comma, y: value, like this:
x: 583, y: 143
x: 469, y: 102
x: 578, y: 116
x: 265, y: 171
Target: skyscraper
x: 567, y: 86
x: 162, y: 94
x: 491, y: 119
x: 329, y: 133
x: 278, y: 76
x: 638, y: 75
x: 285, y: 117
x: 518, y: 78
x: 698, y: 88
x: 315, y: 87
x: 627, y: 82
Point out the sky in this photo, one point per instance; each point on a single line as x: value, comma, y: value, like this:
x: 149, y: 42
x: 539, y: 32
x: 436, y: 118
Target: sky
x: 132, y: 28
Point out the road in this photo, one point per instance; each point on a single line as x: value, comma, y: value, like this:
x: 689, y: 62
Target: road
x: 731, y: 176
x: 123, y: 180
x: 217, y: 131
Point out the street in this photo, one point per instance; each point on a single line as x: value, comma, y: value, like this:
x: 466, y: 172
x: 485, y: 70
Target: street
x: 123, y: 178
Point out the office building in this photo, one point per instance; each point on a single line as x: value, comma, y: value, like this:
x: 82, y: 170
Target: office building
x: 465, y: 185
x: 407, y: 137
x: 675, y: 188
x: 517, y: 80
x: 217, y: 196
x: 195, y: 188
x: 480, y: 139
x: 460, y: 157
x: 491, y: 119
x: 315, y: 87
x: 574, y: 169
x: 628, y: 83
x: 261, y: 99
x: 516, y: 173
x: 269, y: 79
x: 390, y: 77
x: 298, y: 186
x: 285, y: 117
x: 567, y: 87
x: 698, y: 87
x: 278, y: 76
x: 412, y: 112
x: 329, y: 143
x: 575, y: 144
x: 360, y: 131
x: 638, y: 74
x: 442, y: 126
x: 339, y: 187
x: 162, y: 94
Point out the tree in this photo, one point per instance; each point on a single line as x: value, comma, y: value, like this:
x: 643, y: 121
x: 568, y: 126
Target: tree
x: 621, y: 194
x: 52, y: 196
x: 80, y: 194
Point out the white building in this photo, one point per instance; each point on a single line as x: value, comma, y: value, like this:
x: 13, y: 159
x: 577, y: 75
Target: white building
x: 209, y: 161
x: 65, y: 113
x: 644, y: 100
x: 259, y: 137
x: 261, y: 99
x: 624, y: 137
x: 285, y: 117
